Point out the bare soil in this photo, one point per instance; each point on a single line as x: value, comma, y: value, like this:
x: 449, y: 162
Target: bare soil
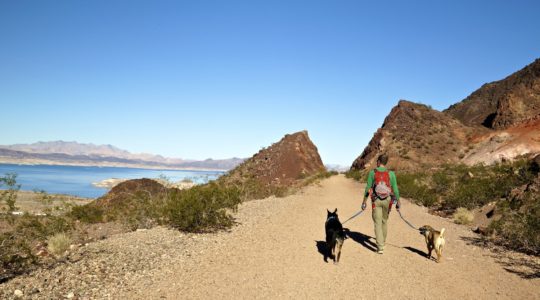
x: 32, y: 202
x: 275, y: 252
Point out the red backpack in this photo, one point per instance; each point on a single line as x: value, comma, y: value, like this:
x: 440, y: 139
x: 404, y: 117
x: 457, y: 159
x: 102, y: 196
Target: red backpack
x: 381, y: 185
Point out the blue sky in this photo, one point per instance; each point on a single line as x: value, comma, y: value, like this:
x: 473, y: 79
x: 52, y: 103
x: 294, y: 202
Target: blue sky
x: 199, y: 79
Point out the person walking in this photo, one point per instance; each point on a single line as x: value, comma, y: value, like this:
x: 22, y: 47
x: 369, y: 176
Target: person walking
x: 382, y: 187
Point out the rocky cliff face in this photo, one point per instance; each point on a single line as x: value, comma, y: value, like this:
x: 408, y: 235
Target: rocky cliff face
x: 415, y: 136
x: 504, y: 103
x: 292, y: 158
x: 501, y: 120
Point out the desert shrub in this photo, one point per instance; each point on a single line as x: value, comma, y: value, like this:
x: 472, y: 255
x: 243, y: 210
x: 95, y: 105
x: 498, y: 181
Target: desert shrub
x: 358, y: 175
x: 141, y: 210
x: 473, y: 192
x: 413, y: 186
x: 19, y: 238
x: 441, y: 182
x: 251, y: 189
x: 9, y: 195
x: 89, y: 213
x: 461, y: 188
x: 16, y: 256
x: 519, y: 229
x: 201, y: 208
x: 330, y: 173
x: 489, y: 183
x: 463, y: 216
x: 58, y: 244
x: 40, y: 227
x: 317, y: 177
x: 522, y: 232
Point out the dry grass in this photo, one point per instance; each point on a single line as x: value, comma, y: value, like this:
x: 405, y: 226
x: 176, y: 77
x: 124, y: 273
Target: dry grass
x: 37, y: 202
x: 463, y: 216
x: 58, y: 244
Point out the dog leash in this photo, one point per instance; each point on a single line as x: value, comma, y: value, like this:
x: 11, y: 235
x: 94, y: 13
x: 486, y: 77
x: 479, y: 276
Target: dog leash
x: 407, y: 222
x: 354, y: 216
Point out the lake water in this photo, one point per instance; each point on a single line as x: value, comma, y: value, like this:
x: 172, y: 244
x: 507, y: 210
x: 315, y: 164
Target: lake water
x: 77, y: 181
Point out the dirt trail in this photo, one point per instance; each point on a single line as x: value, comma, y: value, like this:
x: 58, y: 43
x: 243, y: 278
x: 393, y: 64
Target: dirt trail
x: 274, y: 253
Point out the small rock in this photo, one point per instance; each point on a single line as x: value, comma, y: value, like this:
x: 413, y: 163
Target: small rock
x: 18, y: 293
x: 70, y: 295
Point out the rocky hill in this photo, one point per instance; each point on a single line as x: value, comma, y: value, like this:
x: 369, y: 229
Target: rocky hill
x: 501, y: 120
x: 293, y: 158
x: 415, y: 136
x: 124, y: 193
x: 504, y: 103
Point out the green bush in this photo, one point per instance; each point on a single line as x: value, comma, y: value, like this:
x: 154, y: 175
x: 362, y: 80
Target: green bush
x: 461, y: 188
x: 9, y: 195
x: 519, y: 228
x: 413, y: 186
x: 472, y: 193
x: 201, y: 208
x: 16, y: 256
x: 358, y: 175
x: 89, y: 213
x: 317, y: 177
x: 19, y: 238
x: 251, y: 189
x: 40, y: 227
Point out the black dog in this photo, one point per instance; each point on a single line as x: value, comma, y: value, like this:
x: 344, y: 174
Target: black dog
x: 335, y: 236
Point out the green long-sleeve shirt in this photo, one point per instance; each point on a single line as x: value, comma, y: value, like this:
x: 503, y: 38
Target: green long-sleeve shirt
x: 393, y: 181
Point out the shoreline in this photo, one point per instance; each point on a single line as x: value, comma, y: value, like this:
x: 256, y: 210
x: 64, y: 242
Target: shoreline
x: 106, y: 165
x: 112, y: 182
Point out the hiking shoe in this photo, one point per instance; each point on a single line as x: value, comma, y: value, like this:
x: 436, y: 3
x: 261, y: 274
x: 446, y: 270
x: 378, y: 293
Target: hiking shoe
x: 380, y: 251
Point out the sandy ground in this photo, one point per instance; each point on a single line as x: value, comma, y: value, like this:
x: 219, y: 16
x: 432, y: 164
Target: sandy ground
x: 33, y: 202
x: 275, y: 253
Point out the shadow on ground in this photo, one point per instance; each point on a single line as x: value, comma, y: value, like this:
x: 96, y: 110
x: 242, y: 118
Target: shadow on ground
x: 323, y: 250
x: 526, y: 267
x: 362, y: 239
x: 419, y: 252
x: 414, y: 250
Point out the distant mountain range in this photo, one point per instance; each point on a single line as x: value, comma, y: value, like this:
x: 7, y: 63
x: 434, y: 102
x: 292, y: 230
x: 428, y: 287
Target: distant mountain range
x: 73, y: 153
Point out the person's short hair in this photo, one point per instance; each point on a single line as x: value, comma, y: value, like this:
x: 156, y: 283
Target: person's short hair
x: 382, y: 159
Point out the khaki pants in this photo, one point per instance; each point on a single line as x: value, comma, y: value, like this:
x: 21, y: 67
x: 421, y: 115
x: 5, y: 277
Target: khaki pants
x: 380, y: 218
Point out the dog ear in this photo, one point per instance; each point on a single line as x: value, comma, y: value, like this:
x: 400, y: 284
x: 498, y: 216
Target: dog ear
x: 327, y: 211
x: 335, y: 211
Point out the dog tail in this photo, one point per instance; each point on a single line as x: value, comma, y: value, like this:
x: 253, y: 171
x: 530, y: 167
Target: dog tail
x: 442, y: 232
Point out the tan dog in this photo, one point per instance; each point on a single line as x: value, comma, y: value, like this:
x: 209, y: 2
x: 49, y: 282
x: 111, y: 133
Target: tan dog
x: 434, y: 240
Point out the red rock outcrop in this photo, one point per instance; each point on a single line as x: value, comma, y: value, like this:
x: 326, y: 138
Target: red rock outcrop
x: 415, y: 136
x: 504, y: 103
x: 294, y: 157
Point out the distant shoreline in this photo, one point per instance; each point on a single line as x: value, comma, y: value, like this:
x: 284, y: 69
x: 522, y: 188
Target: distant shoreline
x: 108, y: 165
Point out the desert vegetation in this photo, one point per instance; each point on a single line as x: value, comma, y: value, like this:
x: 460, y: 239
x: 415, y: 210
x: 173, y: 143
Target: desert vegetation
x: 463, y: 216
x: 455, y: 190
x: 203, y: 208
x: 25, y: 238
